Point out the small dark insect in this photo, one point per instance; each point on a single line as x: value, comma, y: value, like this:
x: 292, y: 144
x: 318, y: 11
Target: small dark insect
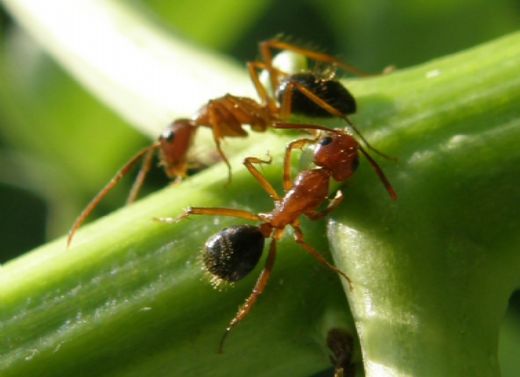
x: 336, y: 156
x: 341, y: 344
x: 303, y: 93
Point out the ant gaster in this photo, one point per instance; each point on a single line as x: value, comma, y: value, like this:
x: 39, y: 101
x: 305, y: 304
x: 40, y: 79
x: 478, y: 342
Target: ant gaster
x: 336, y: 155
x: 304, y: 93
x: 231, y: 254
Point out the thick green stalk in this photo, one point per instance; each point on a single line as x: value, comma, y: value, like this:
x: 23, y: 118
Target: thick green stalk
x: 129, y: 297
x: 432, y: 272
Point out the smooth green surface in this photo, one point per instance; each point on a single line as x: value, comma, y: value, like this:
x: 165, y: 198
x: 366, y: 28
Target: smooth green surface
x: 432, y: 271
x: 427, y: 269
x: 130, y: 293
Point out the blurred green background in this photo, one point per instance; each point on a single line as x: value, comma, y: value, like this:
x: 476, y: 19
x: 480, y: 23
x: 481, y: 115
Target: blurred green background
x: 59, y: 144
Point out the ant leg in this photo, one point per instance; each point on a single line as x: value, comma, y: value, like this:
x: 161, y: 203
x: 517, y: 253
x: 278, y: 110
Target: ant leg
x: 267, y: 59
x: 300, y: 143
x: 334, y: 203
x: 248, y: 162
x: 255, y: 294
x: 267, y: 46
x: 298, y: 237
x: 105, y: 190
x: 141, y: 176
x: 317, y: 100
x: 217, y: 135
x: 332, y: 111
x: 260, y: 89
x: 215, y: 211
x: 297, y: 126
x: 286, y: 104
x: 380, y: 174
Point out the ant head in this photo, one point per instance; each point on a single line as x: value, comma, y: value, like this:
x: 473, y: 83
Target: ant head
x: 338, y: 152
x: 174, y: 144
x: 327, y: 91
x: 233, y: 252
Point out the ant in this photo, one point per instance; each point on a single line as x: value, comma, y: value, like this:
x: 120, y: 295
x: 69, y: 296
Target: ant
x: 304, y: 93
x: 341, y: 343
x: 232, y: 253
x: 310, y: 93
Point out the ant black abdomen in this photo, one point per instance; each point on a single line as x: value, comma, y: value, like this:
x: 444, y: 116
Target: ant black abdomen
x: 233, y: 253
x: 341, y: 343
x: 330, y: 91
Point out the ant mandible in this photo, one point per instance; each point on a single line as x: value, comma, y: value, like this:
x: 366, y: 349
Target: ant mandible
x: 303, y: 93
x: 232, y: 253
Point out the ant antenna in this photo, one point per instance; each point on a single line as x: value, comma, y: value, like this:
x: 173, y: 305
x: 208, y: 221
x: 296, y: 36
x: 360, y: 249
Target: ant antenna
x: 105, y: 190
x: 141, y: 176
x: 222, y: 340
x: 380, y: 174
x: 365, y: 141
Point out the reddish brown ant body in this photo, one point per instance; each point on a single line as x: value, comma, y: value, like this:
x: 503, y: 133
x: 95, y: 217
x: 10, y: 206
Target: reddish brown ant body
x: 336, y: 156
x: 305, y: 93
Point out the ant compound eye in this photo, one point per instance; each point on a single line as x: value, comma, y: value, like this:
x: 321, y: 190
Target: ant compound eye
x: 326, y: 140
x: 234, y: 252
x: 168, y: 135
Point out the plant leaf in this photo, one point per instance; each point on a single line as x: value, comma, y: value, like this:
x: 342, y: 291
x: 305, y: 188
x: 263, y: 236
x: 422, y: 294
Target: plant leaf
x: 432, y: 272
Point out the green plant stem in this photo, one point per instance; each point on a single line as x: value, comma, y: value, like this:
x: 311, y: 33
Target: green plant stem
x: 432, y: 272
x: 129, y: 297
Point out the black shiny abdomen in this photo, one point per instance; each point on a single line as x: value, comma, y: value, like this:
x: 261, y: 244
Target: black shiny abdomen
x: 232, y: 253
x: 330, y: 91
